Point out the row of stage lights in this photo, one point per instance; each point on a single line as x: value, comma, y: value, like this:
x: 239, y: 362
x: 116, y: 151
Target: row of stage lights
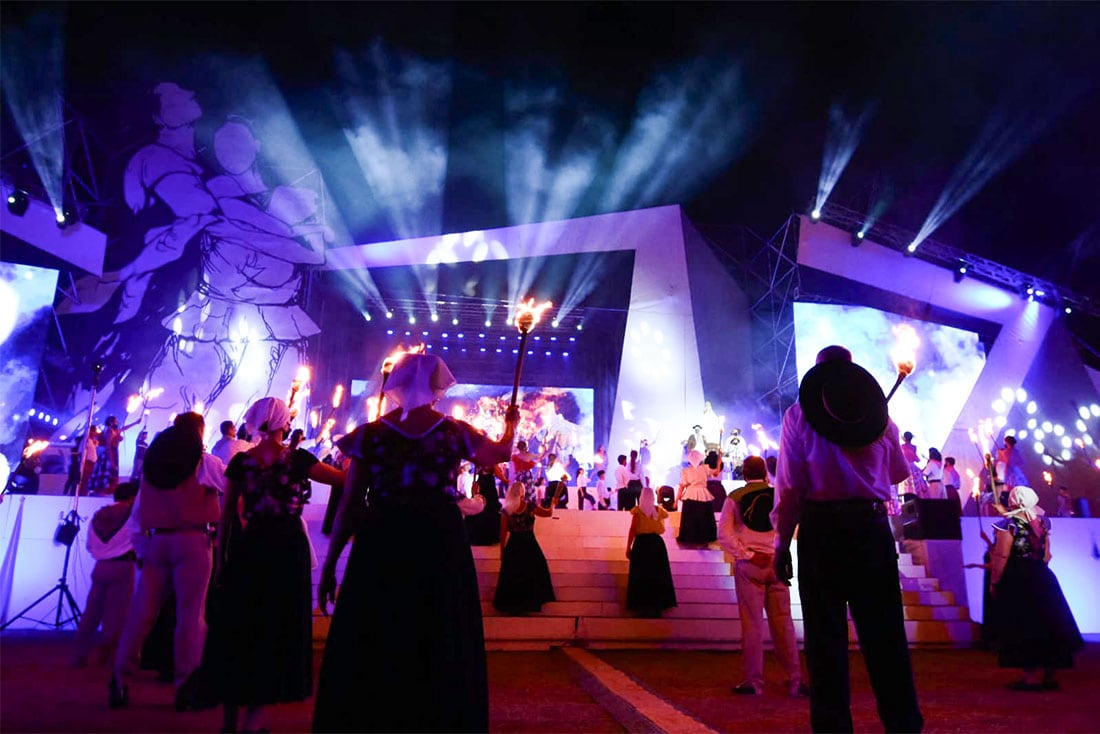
x: 1028, y: 291
x: 42, y: 416
x: 477, y: 347
x: 19, y: 201
x: 412, y: 320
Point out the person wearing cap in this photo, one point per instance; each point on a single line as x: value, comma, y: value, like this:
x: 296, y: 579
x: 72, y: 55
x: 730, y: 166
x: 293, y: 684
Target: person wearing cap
x: 745, y: 531
x: 1035, y: 627
x: 175, y: 511
x: 839, y: 457
x: 266, y: 631
x: 409, y: 610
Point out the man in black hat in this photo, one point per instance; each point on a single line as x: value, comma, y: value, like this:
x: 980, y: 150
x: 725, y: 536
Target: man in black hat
x: 839, y: 456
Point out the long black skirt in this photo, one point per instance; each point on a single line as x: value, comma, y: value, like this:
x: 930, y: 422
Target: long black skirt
x: 697, y: 523
x: 1035, y: 627
x: 523, y: 584
x: 484, y: 527
x: 406, y: 649
x: 649, y: 588
x: 264, y: 625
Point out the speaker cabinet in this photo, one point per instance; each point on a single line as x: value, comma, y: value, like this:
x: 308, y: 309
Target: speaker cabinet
x: 931, y: 519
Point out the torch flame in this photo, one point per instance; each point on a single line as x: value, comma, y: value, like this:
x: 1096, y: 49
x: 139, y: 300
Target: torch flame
x: 337, y: 396
x: 303, y: 375
x: 904, y: 353
x: 156, y: 392
x: 528, y: 314
x: 132, y: 403
x: 391, y: 361
x: 35, y: 447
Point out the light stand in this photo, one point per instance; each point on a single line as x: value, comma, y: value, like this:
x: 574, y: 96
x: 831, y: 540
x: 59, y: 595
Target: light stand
x: 66, y: 534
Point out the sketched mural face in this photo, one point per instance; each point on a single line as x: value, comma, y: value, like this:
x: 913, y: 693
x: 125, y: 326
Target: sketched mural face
x: 245, y: 246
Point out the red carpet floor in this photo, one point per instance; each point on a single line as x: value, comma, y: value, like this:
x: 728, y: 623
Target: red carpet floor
x: 961, y: 691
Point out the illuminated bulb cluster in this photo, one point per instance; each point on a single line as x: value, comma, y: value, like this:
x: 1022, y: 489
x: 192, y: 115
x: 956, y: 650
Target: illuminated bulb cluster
x: 1050, y: 440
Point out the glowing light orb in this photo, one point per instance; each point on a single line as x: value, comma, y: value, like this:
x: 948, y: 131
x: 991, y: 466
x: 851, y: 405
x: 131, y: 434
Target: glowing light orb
x: 1066, y: 455
x: 1082, y: 427
x: 1066, y: 442
x: 1047, y: 460
x: 1039, y: 447
x: 1087, y: 438
x: 1059, y: 429
x: 1083, y: 411
x: 1008, y: 394
x: 1048, y: 426
x: 999, y: 406
x: 1021, y: 395
x: 1021, y: 434
x: 1000, y: 421
x: 1032, y: 407
x: 1032, y: 423
x: 1095, y: 410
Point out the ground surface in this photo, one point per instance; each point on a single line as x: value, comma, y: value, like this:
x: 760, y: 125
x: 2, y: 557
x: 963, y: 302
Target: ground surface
x: 565, y: 691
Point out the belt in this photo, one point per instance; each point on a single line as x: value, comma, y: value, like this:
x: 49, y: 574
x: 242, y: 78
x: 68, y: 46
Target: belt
x: 184, y: 529
x: 847, y: 506
x: 127, y: 556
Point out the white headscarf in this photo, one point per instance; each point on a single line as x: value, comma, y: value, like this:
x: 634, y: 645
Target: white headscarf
x: 1024, y: 503
x: 695, y: 457
x: 270, y: 411
x: 418, y: 379
x: 514, y: 498
x: 647, y: 503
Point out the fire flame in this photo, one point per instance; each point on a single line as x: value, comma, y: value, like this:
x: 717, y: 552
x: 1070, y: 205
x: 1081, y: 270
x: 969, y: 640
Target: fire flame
x: 132, y: 403
x: 391, y: 361
x: 528, y: 314
x: 337, y: 396
x: 904, y: 353
x: 35, y: 446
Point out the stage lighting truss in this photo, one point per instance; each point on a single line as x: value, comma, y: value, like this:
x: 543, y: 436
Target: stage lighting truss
x: 952, y: 258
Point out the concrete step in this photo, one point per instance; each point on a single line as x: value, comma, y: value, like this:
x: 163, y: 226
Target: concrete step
x: 567, y: 565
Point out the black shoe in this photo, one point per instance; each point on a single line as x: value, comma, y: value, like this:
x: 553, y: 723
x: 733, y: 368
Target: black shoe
x: 118, y: 697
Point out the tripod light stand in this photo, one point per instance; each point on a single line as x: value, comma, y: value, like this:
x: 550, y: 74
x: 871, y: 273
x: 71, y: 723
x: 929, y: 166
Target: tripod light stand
x: 66, y: 534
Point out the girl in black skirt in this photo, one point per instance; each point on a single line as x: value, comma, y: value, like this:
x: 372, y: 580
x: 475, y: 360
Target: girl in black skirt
x: 649, y: 589
x: 697, y: 525
x: 523, y: 585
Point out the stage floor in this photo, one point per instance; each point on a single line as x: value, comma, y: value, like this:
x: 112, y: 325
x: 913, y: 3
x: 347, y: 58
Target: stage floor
x: 552, y: 691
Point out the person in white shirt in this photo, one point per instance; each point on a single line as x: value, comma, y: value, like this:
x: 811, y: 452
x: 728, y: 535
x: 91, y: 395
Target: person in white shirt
x: 933, y: 475
x: 555, y: 476
x: 745, y: 532
x: 582, y: 490
x: 603, y: 492
x: 465, y: 482
x: 228, y: 445
x: 951, y: 479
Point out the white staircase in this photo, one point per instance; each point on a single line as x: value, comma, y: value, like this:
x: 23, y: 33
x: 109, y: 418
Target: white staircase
x: 586, y: 552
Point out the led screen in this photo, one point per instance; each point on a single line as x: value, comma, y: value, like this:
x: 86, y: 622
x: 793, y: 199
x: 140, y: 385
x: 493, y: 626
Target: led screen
x: 948, y: 362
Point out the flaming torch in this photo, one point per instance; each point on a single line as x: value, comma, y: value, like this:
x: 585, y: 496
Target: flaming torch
x: 527, y: 315
x: 299, y: 381
x: 904, y: 355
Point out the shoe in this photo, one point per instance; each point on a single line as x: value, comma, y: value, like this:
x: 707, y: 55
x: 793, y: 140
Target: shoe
x: 746, y: 689
x: 118, y: 697
x: 799, y: 690
x: 1023, y: 685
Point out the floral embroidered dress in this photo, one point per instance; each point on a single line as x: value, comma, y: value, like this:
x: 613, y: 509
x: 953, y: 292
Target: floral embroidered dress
x: 408, y: 614
x: 267, y: 618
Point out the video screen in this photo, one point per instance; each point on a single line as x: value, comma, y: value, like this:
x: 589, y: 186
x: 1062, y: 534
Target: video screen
x: 552, y: 419
x: 948, y: 361
x: 26, y: 303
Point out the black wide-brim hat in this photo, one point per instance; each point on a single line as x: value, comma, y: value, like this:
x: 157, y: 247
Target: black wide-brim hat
x: 172, y: 457
x: 843, y: 403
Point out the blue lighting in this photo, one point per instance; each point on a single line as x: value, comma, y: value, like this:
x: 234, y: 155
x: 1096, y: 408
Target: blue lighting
x: 389, y: 332
x: 423, y: 333
x: 445, y: 348
x: 435, y: 317
x: 553, y: 338
x: 912, y: 247
x: 445, y: 335
x: 480, y: 336
x: 483, y: 349
x: 454, y: 322
x: 529, y: 352
x: 499, y: 350
x: 515, y: 351
x: 408, y: 333
x: 389, y: 314
x: 548, y: 354
x: 580, y: 327
x: 488, y: 323
x: 461, y: 335
x: 538, y: 338
x: 412, y: 319
x: 572, y: 338
x: 565, y: 354
x: 503, y: 338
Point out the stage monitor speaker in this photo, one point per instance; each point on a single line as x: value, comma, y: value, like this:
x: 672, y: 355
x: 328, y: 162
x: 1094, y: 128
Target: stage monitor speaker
x: 932, y: 520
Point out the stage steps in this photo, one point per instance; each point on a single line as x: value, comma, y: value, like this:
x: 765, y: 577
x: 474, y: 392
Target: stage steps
x: 588, y: 565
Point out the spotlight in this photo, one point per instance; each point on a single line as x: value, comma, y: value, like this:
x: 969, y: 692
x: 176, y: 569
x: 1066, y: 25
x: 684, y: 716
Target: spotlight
x: 1068, y: 309
x: 911, y: 247
x: 18, y: 202
x: 960, y: 271
x: 435, y: 317
x: 816, y: 214
x: 389, y: 314
x: 857, y: 238
x: 488, y: 322
x: 454, y: 321
x: 64, y: 218
x: 412, y: 319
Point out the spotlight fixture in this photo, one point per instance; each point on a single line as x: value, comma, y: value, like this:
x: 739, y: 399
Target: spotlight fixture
x: 911, y: 247
x: 18, y: 202
x: 960, y: 271
x: 64, y: 217
x: 857, y: 238
x: 816, y: 214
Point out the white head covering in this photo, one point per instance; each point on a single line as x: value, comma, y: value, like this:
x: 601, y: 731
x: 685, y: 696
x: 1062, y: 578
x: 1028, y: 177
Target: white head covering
x: 695, y: 457
x: 647, y: 503
x: 418, y: 379
x: 1024, y: 503
x: 514, y: 498
x: 267, y: 415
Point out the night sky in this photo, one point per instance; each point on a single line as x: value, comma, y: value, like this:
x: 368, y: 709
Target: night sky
x: 934, y: 75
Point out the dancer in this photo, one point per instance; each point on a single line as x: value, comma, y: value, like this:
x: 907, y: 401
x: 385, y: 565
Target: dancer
x: 484, y: 528
x: 408, y: 621
x: 649, y: 587
x: 523, y: 584
x: 266, y: 617
x: 1035, y: 627
x: 696, y: 503
x: 933, y: 475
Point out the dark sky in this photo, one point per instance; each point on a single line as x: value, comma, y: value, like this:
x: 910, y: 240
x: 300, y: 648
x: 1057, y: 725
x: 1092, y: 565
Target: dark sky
x: 935, y: 73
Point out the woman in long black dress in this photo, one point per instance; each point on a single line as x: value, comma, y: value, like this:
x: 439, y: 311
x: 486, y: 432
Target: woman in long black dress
x: 649, y: 588
x: 1035, y: 627
x: 523, y: 584
x: 484, y: 527
x: 406, y: 649
x: 697, y: 525
x: 265, y: 628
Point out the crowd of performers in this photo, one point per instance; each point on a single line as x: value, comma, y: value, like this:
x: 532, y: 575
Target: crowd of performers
x: 408, y: 614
